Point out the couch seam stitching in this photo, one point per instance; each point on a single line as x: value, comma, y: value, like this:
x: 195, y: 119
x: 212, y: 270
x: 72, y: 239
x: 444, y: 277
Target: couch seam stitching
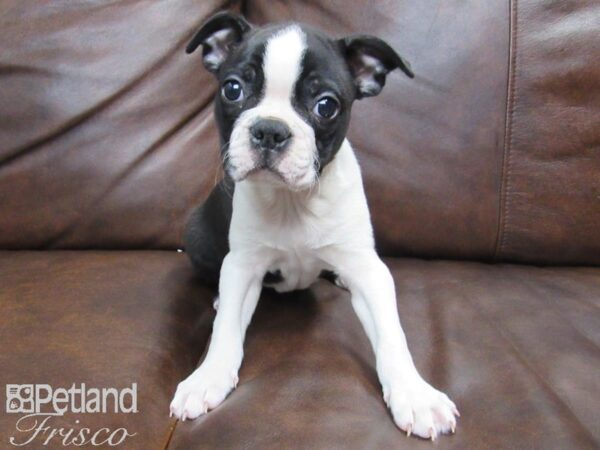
x: 170, y: 434
x: 505, y: 186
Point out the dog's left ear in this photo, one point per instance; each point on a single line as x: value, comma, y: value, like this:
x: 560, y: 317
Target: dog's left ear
x: 370, y: 59
x: 217, y: 36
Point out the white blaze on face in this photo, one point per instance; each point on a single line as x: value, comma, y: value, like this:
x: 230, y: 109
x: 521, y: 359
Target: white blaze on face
x: 282, y: 66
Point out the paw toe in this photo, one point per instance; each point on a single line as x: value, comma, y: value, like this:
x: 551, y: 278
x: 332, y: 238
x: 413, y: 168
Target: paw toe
x: 424, y: 426
x: 214, y: 396
x: 422, y: 411
x: 194, y: 406
x: 444, y: 419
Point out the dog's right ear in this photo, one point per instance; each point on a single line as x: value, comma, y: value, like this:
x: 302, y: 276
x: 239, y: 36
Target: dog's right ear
x: 218, y: 36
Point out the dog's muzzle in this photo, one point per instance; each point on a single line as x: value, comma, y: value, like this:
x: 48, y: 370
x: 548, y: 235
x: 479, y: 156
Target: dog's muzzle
x: 270, y: 138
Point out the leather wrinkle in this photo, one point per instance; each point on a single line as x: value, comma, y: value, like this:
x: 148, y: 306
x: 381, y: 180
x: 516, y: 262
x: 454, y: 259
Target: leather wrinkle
x: 63, y: 234
x: 23, y: 151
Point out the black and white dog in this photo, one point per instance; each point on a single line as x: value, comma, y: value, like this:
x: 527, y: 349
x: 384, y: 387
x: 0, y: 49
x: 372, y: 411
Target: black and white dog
x: 298, y: 209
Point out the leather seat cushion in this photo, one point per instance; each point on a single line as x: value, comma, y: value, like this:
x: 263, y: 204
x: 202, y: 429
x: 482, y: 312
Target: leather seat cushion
x: 516, y: 347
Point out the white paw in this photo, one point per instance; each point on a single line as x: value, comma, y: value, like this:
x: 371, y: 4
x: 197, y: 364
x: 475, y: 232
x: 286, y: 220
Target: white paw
x: 203, y: 390
x: 420, y: 409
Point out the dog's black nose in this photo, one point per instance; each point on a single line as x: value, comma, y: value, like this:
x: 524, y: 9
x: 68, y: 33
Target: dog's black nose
x: 270, y: 134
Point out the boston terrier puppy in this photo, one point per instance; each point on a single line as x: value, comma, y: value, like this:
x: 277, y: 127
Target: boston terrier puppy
x: 292, y: 206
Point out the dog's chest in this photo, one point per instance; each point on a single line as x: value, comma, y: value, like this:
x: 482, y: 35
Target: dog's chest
x: 294, y: 240
x: 295, y: 269
x: 289, y: 232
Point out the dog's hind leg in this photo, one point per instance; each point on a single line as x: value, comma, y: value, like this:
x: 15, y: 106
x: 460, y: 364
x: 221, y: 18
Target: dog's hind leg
x: 206, y: 238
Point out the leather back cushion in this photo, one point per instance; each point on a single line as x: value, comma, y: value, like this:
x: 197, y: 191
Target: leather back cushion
x: 106, y: 135
x: 107, y: 138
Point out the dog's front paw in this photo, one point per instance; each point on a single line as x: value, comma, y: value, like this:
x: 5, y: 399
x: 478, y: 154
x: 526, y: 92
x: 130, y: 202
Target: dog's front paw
x: 420, y: 409
x: 203, y: 390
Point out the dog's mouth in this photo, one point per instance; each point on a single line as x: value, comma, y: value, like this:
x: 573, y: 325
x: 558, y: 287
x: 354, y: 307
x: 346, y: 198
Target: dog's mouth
x: 258, y: 164
x: 268, y: 171
x: 260, y: 171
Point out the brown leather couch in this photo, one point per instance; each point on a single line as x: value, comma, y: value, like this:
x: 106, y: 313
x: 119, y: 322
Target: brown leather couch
x: 483, y: 176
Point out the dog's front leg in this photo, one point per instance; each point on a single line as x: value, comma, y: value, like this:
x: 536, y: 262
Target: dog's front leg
x: 239, y: 288
x: 416, y: 406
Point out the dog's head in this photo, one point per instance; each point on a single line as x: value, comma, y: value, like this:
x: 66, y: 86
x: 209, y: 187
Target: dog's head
x: 286, y: 92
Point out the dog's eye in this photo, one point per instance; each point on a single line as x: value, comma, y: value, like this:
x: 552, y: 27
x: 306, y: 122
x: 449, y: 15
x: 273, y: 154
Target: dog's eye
x: 327, y: 107
x: 232, y: 91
